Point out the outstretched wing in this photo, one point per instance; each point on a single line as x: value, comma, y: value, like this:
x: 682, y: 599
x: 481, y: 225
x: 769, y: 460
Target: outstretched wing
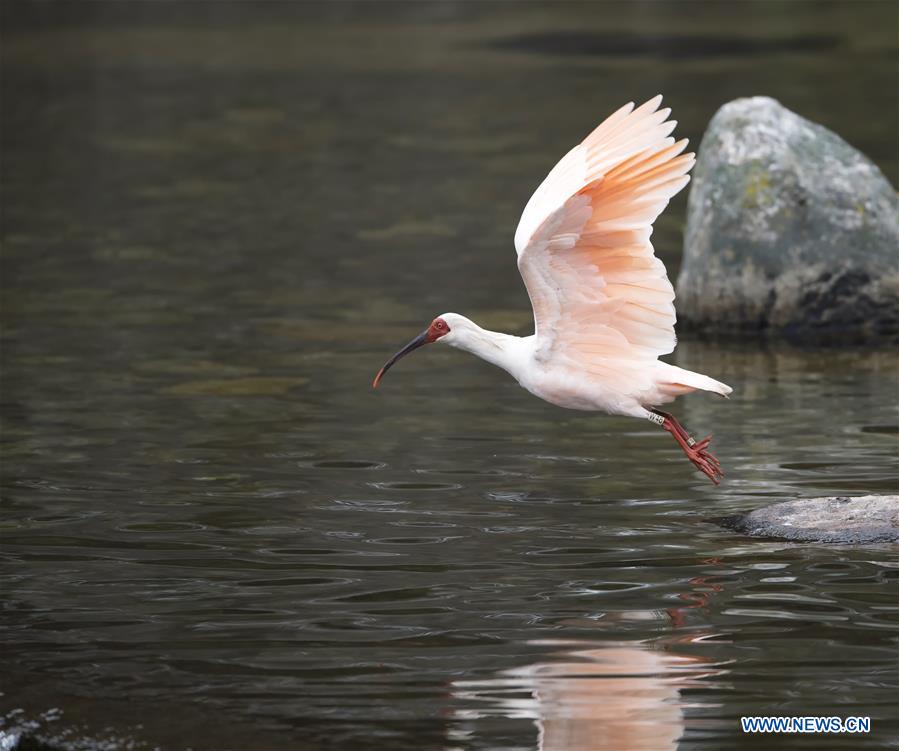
x: 602, y: 300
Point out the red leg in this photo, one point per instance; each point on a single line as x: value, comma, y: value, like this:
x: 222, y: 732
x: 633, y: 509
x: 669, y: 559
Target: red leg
x: 697, y: 452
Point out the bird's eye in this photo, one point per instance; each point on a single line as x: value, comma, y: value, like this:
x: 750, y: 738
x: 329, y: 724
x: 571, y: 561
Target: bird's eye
x: 441, y: 325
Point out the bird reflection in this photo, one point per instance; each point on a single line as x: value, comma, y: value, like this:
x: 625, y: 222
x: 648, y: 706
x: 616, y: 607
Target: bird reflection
x: 608, y: 695
x: 599, y: 695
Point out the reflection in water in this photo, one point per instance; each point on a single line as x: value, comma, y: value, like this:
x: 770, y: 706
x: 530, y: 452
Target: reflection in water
x: 612, y: 695
x: 608, y: 694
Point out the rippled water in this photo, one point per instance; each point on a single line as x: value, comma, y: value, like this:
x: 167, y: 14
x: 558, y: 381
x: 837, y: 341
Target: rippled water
x: 215, y: 535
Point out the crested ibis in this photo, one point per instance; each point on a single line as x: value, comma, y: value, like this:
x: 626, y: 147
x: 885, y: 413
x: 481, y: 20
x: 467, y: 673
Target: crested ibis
x: 603, y: 304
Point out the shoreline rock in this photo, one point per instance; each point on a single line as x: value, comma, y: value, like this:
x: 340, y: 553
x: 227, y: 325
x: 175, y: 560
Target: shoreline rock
x: 836, y: 519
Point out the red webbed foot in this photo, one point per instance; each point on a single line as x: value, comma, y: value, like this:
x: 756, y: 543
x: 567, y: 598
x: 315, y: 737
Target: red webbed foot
x: 697, y: 451
x: 705, y: 461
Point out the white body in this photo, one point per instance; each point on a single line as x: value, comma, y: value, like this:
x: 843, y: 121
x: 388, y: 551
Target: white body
x: 603, y: 304
x: 559, y: 385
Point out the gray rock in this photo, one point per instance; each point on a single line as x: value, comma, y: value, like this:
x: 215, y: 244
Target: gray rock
x: 862, y: 519
x: 790, y: 230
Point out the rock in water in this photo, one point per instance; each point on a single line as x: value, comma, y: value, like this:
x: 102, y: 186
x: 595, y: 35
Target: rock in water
x: 863, y: 519
x: 790, y: 230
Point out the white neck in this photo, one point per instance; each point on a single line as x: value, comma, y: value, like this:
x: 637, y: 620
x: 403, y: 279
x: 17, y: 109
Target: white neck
x: 503, y: 350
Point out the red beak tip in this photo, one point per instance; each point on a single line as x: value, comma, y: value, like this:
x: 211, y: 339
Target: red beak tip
x: 422, y: 338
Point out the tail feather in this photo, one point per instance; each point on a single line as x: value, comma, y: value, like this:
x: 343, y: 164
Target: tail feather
x: 675, y: 381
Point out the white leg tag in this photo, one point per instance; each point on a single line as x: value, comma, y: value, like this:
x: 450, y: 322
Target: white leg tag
x: 657, y: 419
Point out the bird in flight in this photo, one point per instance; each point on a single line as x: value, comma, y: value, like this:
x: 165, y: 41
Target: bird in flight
x: 603, y: 304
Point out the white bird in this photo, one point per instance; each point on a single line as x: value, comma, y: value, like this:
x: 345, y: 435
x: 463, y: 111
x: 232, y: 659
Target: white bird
x: 603, y: 304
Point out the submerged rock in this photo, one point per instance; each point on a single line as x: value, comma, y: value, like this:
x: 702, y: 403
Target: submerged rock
x: 862, y: 519
x: 790, y: 230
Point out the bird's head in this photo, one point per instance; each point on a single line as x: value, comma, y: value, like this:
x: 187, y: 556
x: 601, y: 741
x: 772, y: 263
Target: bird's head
x: 445, y: 328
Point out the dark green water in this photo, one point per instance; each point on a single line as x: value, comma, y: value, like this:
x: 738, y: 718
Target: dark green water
x: 218, y: 221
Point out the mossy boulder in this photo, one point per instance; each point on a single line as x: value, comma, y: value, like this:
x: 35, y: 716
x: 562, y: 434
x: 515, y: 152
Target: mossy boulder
x: 790, y: 231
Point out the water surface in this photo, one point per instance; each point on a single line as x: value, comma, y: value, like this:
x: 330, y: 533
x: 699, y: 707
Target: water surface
x: 218, y: 223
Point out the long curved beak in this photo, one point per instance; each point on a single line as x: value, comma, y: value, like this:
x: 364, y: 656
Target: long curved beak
x: 417, y: 342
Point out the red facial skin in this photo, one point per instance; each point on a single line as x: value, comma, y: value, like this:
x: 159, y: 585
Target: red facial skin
x: 437, y: 329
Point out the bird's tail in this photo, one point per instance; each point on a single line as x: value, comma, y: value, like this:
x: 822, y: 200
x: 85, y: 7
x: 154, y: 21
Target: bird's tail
x: 674, y: 381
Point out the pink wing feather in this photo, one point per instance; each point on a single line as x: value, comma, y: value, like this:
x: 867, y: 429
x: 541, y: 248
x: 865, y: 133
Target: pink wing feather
x: 602, y: 300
